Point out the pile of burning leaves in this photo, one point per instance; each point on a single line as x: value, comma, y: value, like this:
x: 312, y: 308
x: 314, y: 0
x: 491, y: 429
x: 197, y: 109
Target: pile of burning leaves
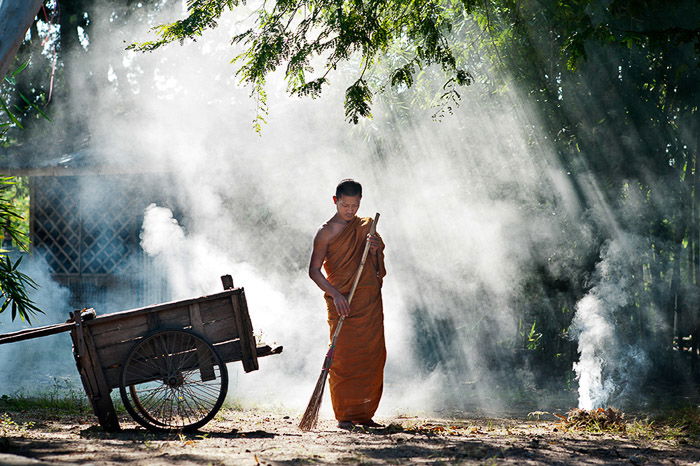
x: 600, y: 419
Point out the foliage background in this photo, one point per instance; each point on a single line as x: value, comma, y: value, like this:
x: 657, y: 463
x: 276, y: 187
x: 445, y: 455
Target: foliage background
x: 611, y: 91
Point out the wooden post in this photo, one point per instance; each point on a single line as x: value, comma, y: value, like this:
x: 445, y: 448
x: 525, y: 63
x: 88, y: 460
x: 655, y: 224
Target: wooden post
x: 245, y: 332
x: 227, y: 281
x: 206, y: 365
x: 153, y: 321
x: 245, y: 328
x: 248, y: 326
x: 91, y: 374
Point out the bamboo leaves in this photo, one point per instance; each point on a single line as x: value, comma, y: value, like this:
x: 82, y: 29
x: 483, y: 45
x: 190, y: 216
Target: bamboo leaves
x: 13, y: 283
x: 14, y: 290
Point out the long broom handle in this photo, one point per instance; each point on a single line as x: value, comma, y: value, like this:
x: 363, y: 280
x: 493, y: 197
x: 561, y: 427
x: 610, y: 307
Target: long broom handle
x: 329, y: 355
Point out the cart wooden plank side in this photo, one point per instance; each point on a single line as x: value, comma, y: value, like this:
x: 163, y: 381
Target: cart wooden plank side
x: 167, y: 360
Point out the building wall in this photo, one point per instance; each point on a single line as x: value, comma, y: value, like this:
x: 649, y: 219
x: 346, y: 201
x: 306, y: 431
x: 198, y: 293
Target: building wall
x: 87, y: 228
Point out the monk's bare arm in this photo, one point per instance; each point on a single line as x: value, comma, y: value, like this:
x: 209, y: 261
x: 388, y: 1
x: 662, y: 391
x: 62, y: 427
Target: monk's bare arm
x: 317, y: 257
x: 318, y: 254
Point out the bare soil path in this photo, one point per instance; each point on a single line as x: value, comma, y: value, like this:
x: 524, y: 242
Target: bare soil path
x: 271, y: 437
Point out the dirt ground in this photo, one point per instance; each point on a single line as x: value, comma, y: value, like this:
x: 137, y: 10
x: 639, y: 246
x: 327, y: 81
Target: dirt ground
x: 272, y: 438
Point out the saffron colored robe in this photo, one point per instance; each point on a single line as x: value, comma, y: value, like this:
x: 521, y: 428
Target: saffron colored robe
x: 357, y: 373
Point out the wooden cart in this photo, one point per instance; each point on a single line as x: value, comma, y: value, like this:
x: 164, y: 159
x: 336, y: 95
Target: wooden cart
x: 167, y: 360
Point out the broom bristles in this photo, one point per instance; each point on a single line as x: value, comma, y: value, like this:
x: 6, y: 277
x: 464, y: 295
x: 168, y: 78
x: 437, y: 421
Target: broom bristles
x: 310, y: 418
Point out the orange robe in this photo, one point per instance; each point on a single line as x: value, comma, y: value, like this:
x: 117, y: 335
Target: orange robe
x: 357, y: 373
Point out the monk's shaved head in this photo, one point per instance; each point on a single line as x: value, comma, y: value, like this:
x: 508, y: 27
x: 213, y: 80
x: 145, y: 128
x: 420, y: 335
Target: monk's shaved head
x: 348, y: 187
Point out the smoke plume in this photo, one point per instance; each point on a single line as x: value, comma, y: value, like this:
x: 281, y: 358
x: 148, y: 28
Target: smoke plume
x: 477, y: 212
x: 608, y: 366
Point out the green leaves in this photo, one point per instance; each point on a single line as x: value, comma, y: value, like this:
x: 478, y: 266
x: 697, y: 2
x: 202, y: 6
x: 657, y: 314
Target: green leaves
x: 296, y: 33
x: 403, y: 75
x: 13, y: 200
x: 201, y: 15
x: 19, y: 69
x: 13, y: 283
x: 13, y: 111
x: 358, y: 98
x: 14, y: 290
x: 9, y: 114
x: 311, y: 88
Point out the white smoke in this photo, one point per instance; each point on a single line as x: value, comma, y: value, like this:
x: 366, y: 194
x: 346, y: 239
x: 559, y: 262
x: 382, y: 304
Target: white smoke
x: 460, y: 203
x: 468, y: 204
x: 607, y: 365
x: 44, y: 364
x: 596, y: 335
x: 192, y: 264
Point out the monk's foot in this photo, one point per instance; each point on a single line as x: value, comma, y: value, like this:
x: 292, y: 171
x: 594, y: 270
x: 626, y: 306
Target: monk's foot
x: 371, y: 424
x: 347, y: 425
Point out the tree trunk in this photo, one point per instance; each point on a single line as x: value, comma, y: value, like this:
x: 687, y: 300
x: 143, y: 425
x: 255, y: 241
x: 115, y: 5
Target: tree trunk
x: 690, y: 177
x: 694, y: 218
x: 695, y: 332
x: 15, y: 18
x: 675, y: 309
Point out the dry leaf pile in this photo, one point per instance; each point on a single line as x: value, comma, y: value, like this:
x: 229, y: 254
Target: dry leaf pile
x: 600, y: 419
x: 435, y: 429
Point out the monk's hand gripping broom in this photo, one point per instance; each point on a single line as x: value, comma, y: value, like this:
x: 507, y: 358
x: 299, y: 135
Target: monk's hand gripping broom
x: 310, y: 418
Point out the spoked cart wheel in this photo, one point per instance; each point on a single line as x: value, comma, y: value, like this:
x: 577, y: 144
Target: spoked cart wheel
x: 173, y: 380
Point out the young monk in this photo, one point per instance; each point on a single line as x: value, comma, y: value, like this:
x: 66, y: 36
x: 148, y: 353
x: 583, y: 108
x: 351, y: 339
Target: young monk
x: 357, y: 372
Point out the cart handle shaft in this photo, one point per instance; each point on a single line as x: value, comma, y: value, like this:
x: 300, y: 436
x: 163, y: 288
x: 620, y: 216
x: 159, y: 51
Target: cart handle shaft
x: 29, y: 333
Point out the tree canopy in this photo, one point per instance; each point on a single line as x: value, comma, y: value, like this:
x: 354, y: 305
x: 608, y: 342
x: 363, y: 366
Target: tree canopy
x: 297, y: 34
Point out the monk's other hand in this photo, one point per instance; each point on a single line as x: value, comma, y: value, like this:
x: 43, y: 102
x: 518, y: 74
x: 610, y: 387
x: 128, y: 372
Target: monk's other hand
x: 375, y: 243
x: 341, y: 305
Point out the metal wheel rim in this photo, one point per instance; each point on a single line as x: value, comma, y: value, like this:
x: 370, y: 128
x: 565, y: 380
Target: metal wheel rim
x: 173, y: 395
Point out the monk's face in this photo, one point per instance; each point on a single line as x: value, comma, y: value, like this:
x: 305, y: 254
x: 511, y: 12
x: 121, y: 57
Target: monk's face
x: 347, y: 206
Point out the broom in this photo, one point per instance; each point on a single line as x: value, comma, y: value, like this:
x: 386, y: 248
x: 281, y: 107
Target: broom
x: 310, y: 418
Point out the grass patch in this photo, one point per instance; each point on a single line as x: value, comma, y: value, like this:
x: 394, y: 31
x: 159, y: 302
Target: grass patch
x: 41, y: 402
x: 62, y: 397
x: 652, y: 430
x: 680, y: 422
x: 8, y: 425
